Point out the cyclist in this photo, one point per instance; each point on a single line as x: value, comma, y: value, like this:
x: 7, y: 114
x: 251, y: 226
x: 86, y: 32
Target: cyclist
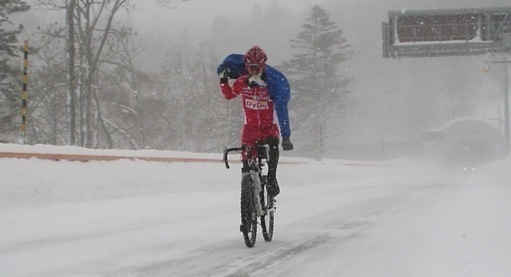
x: 264, y: 91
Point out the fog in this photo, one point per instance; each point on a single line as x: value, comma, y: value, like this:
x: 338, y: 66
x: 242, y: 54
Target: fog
x: 387, y: 95
x: 390, y: 99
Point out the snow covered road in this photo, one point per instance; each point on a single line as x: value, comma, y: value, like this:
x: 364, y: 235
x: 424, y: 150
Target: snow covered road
x: 136, y: 218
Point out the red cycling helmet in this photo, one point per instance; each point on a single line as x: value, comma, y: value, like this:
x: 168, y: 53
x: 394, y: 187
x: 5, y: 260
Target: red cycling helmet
x: 255, y: 58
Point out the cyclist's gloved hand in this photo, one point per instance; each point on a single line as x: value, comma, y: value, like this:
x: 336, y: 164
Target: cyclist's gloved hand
x: 223, y: 73
x: 287, y: 144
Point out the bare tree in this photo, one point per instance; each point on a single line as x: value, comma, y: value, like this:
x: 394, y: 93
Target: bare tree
x: 70, y: 72
x: 48, y: 87
x: 96, y: 45
x: 127, y: 80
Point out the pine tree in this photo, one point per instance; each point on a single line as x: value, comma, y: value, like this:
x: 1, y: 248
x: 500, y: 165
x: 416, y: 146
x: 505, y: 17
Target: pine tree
x: 9, y: 46
x: 314, y: 74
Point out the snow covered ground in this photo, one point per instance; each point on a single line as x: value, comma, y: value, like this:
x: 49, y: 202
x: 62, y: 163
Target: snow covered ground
x: 140, y: 218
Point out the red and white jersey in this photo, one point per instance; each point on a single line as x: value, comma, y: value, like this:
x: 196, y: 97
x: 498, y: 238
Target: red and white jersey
x: 257, y: 104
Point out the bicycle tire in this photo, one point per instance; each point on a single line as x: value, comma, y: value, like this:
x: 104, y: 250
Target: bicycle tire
x: 248, y: 212
x: 268, y: 219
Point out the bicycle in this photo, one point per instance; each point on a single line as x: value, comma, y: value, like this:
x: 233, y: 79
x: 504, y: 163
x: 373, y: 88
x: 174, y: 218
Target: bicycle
x: 255, y: 201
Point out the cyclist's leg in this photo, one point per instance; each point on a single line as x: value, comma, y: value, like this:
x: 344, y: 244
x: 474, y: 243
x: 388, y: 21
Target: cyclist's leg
x: 273, y: 159
x: 249, y: 137
x: 272, y: 139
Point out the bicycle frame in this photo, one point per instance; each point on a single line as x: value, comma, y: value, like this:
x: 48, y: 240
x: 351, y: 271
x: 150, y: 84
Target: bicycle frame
x: 254, y: 196
x: 256, y: 169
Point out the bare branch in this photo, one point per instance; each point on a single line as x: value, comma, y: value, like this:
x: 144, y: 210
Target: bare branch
x: 166, y: 3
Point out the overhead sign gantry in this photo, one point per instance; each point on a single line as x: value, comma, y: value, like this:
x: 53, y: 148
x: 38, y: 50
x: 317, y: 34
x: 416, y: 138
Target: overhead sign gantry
x: 456, y: 32
x: 433, y: 33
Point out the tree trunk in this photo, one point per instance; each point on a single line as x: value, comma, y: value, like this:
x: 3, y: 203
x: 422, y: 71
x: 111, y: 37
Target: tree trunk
x: 70, y: 76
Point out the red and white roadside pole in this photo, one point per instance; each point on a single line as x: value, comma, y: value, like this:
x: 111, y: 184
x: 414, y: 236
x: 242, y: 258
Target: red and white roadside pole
x: 24, y: 93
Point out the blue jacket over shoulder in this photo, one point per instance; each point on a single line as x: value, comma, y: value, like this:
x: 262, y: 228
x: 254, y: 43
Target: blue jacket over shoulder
x: 278, y: 88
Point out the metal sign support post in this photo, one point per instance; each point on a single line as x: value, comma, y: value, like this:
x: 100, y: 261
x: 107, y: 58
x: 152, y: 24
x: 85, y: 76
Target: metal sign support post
x: 506, y: 105
x: 506, y: 100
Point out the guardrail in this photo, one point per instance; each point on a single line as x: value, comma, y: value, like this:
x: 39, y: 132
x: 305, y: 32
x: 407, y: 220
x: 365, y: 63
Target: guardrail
x: 73, y: 153
x: 108, y: 157
x: 86, y: 158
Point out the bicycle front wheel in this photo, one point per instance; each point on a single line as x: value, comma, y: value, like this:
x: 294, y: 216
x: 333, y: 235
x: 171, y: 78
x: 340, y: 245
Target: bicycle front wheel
x: 248, y: 212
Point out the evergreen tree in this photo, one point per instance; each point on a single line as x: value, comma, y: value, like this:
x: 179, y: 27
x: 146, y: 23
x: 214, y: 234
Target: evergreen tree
x: 314, y: 74
x: 8, y: 49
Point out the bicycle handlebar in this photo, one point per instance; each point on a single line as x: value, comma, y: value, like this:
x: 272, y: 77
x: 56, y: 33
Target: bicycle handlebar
x: 226, y: 152
x: 239, y: 149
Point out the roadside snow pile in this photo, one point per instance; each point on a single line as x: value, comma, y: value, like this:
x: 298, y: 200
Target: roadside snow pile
x: 28, y: 182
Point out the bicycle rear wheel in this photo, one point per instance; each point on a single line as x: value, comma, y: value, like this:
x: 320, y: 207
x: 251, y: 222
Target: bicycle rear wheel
x: 248, y: 212
x: 268, y: 219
